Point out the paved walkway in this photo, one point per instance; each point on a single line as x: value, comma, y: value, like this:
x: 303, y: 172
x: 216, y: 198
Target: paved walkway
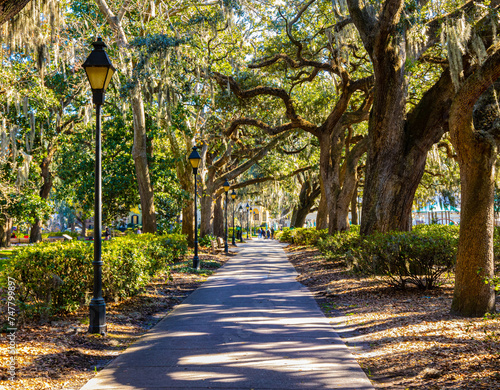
x: 250, y: 326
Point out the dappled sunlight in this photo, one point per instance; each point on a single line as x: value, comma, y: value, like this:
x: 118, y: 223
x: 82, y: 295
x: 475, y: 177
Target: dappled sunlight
x: 251, y: 325
x: 207, y: 375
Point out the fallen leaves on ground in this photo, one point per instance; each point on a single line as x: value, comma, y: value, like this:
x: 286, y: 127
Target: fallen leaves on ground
x: 403, y: 339
x: 62, y: 355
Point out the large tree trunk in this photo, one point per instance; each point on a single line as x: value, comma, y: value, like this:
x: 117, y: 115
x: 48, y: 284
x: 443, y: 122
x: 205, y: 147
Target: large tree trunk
x: 188, y: 225
x: 329, y: 172
x: 309, y: 192
x: 397, y: 154
x: 354, y: 206
x: 10, y: 8
x: 322, y: 215
x: 218, y: 221
x: 476, y: 154
x: 188, y: 222
x: 300, y: 218
x: 36, y: 229
x: 139, y: 150
x: 5, y: 231
x: 472, y: 296
x: 139, y: 153
x: 384, y: 194
x: 206, y: 223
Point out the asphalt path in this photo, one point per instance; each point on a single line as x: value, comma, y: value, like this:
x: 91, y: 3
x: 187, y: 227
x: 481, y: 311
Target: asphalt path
x: 250, y: 326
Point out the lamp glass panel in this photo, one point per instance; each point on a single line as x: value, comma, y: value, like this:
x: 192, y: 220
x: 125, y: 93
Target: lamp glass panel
x: 195, y: 162
x: 111, y: 71
x: 97, y: 76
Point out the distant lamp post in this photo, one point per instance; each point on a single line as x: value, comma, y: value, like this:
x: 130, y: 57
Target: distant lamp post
x: 254, y: 212
x: 195, y: 159
x: 248, y: 225
x: 233, y: 197
x: 226, y: 186
x: 99, y: 71
x: 241, y: 222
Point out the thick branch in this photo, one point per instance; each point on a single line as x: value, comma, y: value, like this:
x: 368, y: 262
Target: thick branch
x: 297, y: 121
x: 114, y: 22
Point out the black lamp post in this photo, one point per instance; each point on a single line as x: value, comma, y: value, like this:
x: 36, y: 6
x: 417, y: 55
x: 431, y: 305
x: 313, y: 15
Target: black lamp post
x: 99, y: 71
x: 248, y: 225
x: 253, y: 221
x: 195, y: 159
x: 226, y: 186
x: 233, y: 197
x: 241, y: 222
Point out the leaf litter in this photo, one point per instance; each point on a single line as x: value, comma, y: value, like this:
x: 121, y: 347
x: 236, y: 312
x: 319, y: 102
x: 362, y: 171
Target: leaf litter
x: 403, y: 339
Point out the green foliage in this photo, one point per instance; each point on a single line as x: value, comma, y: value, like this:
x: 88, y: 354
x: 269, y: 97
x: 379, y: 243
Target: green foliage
x: 57, y: 277
x: 418, y: 257
x: 28, y: 206
x: 308, y: 236
x: 301, y: 236
x: 205, y: 240
x: 338, y: 246
x: 284, y: 235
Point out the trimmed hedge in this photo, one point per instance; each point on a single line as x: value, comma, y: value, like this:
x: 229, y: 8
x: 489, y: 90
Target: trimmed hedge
x: 301, y: 236
x: 57, y: 277
x: 339, y: 245
x: 418, y: 257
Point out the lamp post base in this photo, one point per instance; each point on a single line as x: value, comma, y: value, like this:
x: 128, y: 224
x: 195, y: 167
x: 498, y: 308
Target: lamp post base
x: 97, y: 323
x: 196, y: 262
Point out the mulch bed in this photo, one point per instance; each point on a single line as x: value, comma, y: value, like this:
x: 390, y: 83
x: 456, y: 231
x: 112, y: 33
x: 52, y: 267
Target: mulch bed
x: 62, y: 355
x: 403, y: 339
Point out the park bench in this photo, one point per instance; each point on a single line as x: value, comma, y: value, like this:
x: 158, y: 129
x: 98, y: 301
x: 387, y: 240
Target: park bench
x: 217, y: 244
x: 64, y: 237
x: 19, y: 240
x: 213, y: 243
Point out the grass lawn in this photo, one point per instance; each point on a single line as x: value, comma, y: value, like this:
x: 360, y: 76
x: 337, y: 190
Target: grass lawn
x: 5, y: 255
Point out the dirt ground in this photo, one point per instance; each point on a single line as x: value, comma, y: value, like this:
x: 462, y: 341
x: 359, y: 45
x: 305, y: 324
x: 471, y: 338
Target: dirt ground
x: 403, y: 339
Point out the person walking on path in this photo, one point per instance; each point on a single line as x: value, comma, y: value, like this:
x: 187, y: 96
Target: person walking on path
x: 250, y: 326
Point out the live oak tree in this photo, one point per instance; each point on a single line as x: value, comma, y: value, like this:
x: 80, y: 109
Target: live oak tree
x: 117, y: 19
x: 39, y: 92
x: 310, y: 61
x: 396, y: 35
x: 10, y: 8
x: 475, y: 135
x: 171, y: 61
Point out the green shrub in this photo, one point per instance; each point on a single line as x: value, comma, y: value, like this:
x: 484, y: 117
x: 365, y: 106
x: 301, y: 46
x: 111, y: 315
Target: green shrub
x: 52, y: 277
x: 339, y: 245
x: 205, y: 240
x: 58, y: 277
x: 419, y: 257
x: 308, y: 236
x: 284, y: 235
